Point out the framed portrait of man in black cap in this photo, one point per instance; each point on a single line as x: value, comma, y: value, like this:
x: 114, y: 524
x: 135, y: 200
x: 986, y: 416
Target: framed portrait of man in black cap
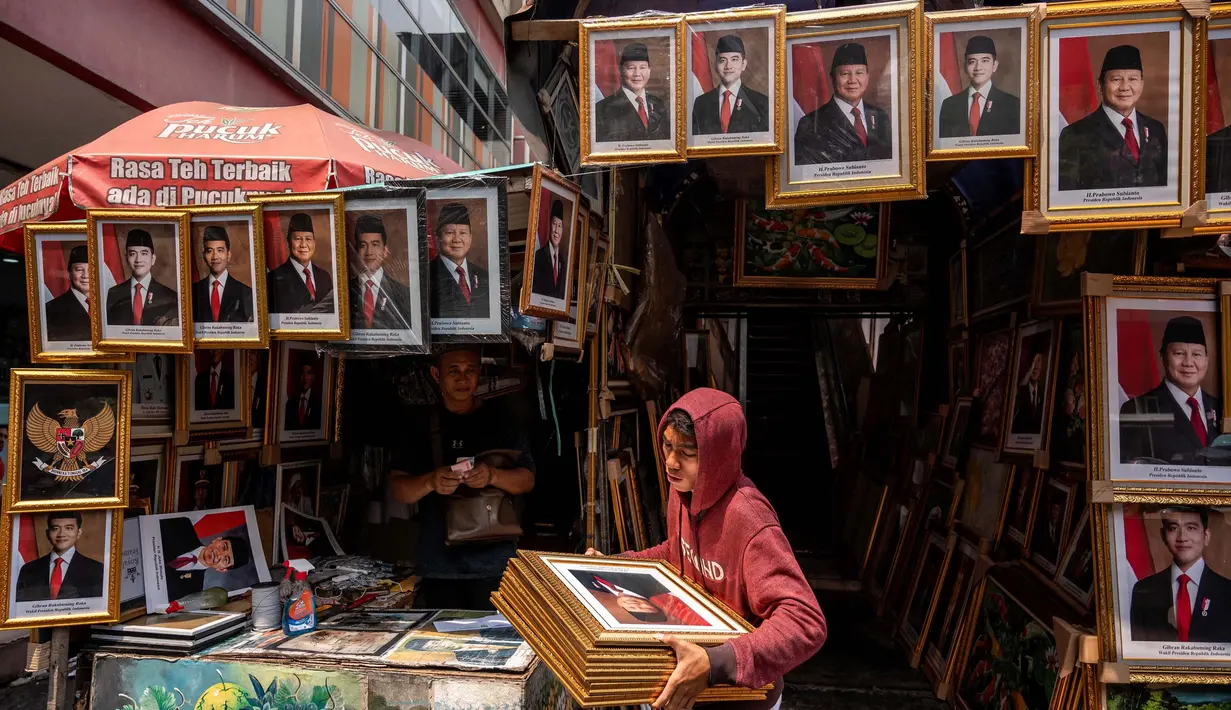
x: 1164, y: 384
x: 228, y: 276
x: 58, y: 273
x: 1218, y: 121
x: 139, y: 280
x: 735, y: 75
x: 853, y: 116
x: 631, y: 90
x: 305, y: 255
x: 1118, y: 112
x: 983, y: 73
x: 551, y: 259
x: 386, y: 235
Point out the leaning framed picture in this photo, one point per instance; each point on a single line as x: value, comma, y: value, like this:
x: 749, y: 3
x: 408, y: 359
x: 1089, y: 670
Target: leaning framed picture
x: 1030, y: 393
x: 58, y: 295
x: 1062, y: 257
x: 1157, y: 376
x: 736, y: 69
x: 69, y: 434
x: 632, y: 90
x: 993, y: 360
x: 195, y: 484
x: 305, y: 254
x: 983, y: 65
x: 139, y: 275
x: 228, y: 276
x: 213, y: 394
x: 147, y: 478
x: 855, y: 108
x: 549, y: 278
x: 82, y: 546
x: 843, y: 246
x: 1120, y: 124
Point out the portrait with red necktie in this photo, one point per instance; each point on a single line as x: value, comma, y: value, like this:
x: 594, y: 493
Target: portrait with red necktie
x: 387, y: 295
x: 138, y: 280
x: 227, y: 271
x: 548, y: 290
x: 305, y: 394
x: 305, y: 255
x: 733, y: 83
x: 980, y: 72
x: 183, y: 553
x: 70, y: 567
x: 464, y: 269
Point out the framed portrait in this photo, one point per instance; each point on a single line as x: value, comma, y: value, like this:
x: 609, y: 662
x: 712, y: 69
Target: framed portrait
x: 598, y: 283
x: 998, y: 273
x: 139, y: 260
x: 1217, y: 121
x: 63, y: 568
x: 153, y: 394
x: 985, y: 497
x: 1050, y: 530
x: 303, y: 396
x: 549, y: 279
x: 462, y: 639
x: 844, y: 246
x: 993, y: 361
x: 958, y: 316
x: 953, y: 595
x: 921, y: 599
x: 302, y: 536
x: 1032, y: 387
x: 305, y: 255
x: 632, y: 91
x: 1068, y: 429
x: 1062, y: 257
x: 854, y: 108
x: 1022, y: 505
x: 1152, y: 621
x: 736, y: 70
x: 957, y: 432
x: 1157, y: 381
x: 184, y: 553
x: 196, y: 485
x: 1006, y: 636
x: 983, y: 65
x: 386, y: 233
x: 1076, y: 574
x: 213, y: 391
x: 1118, y: 139
x: 331, y: 504
x: 147, y: 473
x: 959, y: 367
x: 228, y: 276
x: 70, y: 432
x: 469, y: 262
x: 569, y: 335
x: 58, y: 295
x: 297, y: 487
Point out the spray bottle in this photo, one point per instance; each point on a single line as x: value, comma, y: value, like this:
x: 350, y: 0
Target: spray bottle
x: 299, y: 611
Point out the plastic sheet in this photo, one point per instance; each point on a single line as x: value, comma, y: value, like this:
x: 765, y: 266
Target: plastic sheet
x: 654, y: 329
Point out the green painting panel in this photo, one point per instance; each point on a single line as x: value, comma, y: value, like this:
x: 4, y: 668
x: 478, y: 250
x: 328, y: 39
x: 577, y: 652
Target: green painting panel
x: 1012, y: 661
x: 840, y: 242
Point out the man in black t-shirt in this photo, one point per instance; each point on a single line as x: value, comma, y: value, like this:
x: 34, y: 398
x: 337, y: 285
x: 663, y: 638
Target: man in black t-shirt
x: 460, y: 576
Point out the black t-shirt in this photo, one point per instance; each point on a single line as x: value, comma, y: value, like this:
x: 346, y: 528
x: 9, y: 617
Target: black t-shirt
x: 485, y: 429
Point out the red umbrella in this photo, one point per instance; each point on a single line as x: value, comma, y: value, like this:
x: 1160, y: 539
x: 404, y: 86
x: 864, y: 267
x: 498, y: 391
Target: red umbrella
x: 200, y: 153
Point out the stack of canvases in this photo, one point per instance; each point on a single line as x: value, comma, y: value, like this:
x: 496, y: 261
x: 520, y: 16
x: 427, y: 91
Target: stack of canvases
x: 593, y: 621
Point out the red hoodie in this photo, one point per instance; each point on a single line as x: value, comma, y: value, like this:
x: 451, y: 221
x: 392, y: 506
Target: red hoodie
x: 725, y: 536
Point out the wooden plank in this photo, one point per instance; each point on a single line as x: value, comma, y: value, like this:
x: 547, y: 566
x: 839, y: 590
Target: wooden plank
x: 545, y: 31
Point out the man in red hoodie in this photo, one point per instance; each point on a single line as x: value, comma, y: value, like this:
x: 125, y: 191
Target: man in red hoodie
x: 723, y: 534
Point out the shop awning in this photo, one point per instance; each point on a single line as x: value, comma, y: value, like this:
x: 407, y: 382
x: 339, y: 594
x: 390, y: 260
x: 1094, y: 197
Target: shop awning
x: 201, y: 153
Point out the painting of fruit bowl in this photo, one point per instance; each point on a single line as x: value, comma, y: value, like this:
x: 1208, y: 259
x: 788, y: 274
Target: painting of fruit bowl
x: 813, y: 247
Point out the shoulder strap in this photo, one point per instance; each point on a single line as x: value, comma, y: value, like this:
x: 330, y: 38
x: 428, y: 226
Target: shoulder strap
x: 438, y: 457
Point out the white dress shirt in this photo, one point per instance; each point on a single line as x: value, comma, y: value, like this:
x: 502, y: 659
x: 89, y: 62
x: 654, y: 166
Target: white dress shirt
x: 632, y: 99
x: 1116, y: 117
x: 376, y: 277
x: 850, y: 116
x: 722, y: 95
x: 555, y: 255
x: 220, y: 280
x: 300, y: 267
x: 972, y: 92
x: 452, y: 266
x: 1181, y: 398
x: 68, y: 560
x: 195, y: 566
x: 1194, y: 582
x: 145, y: 288
x: 81, y: 298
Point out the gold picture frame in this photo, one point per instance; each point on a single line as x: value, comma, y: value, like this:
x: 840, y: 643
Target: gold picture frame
x: 1144, y: 472
x: 252, y: 213
x: 911, y: 638
x: 1021, y: 442
x: 1218, y: 220
x: 568, y: 335
x: 110, y: 612
x: 818, y: 228
x: 1075, y: 260
x: 189, y: 454
x: 967, y: 22
x: 1165, y: 206
x: 901, y: 24
x: 66, y: 438
x: 648, y: 150
x: 179, y: 219
x: 548, y: 180
x: 160, y: 452
x: 774, y: 20
x: 272, y: 205
x: 940, y: 662
x: 326, y: 383
x: 36, y: 234
x: 187, y: 388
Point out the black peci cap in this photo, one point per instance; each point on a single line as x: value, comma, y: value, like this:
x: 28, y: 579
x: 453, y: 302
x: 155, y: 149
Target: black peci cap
x: 138, y: 238
x: 980, y: 44
x: 849, y: 53
x: 79, y: 255
x: 453, y: 213
x: 1184, y: 329
x: 1124, y: 56
x: 557, y: 210
x: 300, y: 222
x: 730, y: 43
x: 635, y: 52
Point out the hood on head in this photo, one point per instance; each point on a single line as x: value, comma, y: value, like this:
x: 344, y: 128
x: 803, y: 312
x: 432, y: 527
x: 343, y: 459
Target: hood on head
x: 721, y: 433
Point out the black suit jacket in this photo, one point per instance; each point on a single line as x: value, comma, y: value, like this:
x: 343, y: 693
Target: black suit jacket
x: 1173, y: 438
x: 226, y: 391
x: 543, y: 283
x: 1218, y: 161
x: 1095, y: 156
x: 1001, y: 115
x: 160, y: 307
x: 179, y: 538
x: 287, y: 292
x: 1150, y: 610
x: 67, y: 320
x: 1027, y: 418
x: 235, y: 304
x: 749, y: 115
x: 615, y: 119
x: 82, y: 580
x: 391, y: 309
x: 826, y: 136
x: 312, y: 418
x: 447, y: 300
